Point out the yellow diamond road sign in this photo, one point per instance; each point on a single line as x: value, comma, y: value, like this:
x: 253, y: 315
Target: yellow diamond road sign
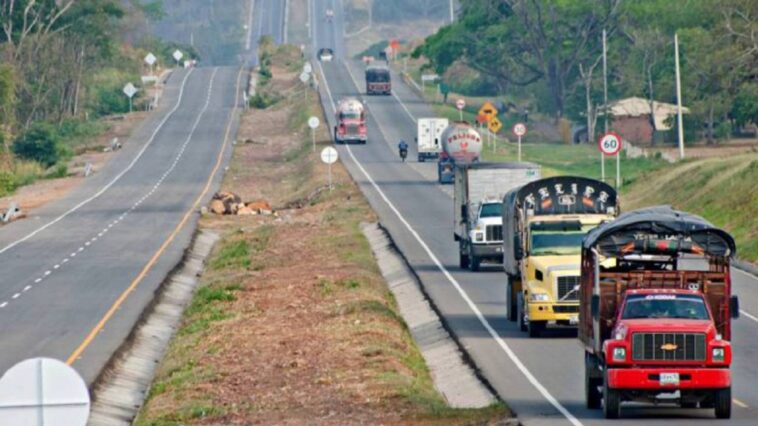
x: 494, y: 125
x: 488, y: 110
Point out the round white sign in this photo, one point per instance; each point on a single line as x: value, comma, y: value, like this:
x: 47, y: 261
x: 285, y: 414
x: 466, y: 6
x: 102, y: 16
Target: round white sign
x: 460, y: 104
x: 129, y: 90
x: 307, y: 68
x: 329, y: 155
x: 313, y: 122
x: 178, y: 55
x: 519, y: 129
x: 43, y: 391
x: 609, y: 143
x: 304, y: 77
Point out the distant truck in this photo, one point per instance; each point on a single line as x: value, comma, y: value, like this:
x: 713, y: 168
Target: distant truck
x: 544, y: 223
x: 478, y: 192
x: 461, y: 144
x: 656, y: 310
x: 351, y: 122
x: 429, y: 137
x: 378, y: 79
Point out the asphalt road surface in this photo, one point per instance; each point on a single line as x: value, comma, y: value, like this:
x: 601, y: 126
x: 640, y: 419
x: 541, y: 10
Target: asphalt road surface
x: 266, y: 18
x: 542, y: 380
x: 65, y: 268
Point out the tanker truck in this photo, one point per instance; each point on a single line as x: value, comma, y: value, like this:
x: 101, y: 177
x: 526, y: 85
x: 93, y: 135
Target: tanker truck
x: 351, y: 122
x: 655, y: 312
x: 544, y: 223
x: 460, y: 143
x: 477, y: 194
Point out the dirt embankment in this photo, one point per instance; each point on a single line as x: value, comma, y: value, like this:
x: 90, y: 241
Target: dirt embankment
x: 293, y: 323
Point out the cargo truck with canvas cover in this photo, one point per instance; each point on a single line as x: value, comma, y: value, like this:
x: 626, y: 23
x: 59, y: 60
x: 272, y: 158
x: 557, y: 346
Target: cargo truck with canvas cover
x: 655, y: 312
x: 477, y: 197
x: 544, y: 223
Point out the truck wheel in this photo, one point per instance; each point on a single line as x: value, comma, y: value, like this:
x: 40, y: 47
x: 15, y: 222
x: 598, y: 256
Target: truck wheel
x: 510, y: 299
x: 474, y: 263
x: 722, y: 399
x: 611, y: 401
x: 522, y: 324
x: 592, y: 383
x: 420, y: 158
x: 536, y: 328
x: 463, y: 261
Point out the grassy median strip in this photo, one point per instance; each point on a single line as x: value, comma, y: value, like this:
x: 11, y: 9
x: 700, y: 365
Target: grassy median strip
x: 293, y: 322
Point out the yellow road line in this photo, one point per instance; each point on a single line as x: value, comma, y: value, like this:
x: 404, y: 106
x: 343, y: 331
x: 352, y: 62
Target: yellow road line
x: 739, y: 403
x: 122, y: 298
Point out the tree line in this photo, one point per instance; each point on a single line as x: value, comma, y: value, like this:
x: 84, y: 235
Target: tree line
x: 63, y: 64
x: 551, y: 51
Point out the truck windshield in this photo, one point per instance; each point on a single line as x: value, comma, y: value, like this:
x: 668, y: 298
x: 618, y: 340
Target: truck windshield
x: 665, y: 306
x: 556, y: 243
x: 491, y: 210
x: 350, y: 115
x: 377, y: 76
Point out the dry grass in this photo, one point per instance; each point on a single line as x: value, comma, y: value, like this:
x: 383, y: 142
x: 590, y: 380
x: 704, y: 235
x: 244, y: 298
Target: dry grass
x: 294, y: 323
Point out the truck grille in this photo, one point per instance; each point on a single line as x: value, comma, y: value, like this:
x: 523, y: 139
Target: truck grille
x: 565, y: 309
x: 352, y: 129
x: 566, y: 285
x: 668, y: 347
x: 494, y: 232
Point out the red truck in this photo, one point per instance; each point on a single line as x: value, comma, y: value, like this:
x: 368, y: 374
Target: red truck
x: 351, y: 122
x: 655, y: 312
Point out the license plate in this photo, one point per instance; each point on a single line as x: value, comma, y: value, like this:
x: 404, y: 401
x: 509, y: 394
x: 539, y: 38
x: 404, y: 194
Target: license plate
x: 574, y: 320
x: 669, y: 379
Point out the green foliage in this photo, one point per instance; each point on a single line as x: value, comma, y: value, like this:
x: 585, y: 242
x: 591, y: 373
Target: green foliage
x: 40, y: 143
x: 8, y: 183
x: 263, y: 100
x: 234, y: 254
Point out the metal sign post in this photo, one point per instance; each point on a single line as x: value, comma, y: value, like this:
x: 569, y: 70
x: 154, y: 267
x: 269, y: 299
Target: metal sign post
x: 329, y: 156
x: 313, y: 123
x: 304, y: 77
x: 150, y: 61
x: 460, y: 104
x: 519, y: 129
x: 178, y: 55
x: 610, y: 144
x: 129, y: 90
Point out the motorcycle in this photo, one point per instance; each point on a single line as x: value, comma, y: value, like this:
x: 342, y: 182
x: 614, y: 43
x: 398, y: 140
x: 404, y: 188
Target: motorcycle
x: 403, y: 153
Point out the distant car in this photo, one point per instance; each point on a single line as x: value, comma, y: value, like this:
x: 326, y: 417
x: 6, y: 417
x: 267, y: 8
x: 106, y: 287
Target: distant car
x: 329, y: 15
x: 325, y: 54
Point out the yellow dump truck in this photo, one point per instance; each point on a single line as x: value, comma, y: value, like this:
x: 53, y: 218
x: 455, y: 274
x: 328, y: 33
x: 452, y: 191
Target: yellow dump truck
x: 543, y: 225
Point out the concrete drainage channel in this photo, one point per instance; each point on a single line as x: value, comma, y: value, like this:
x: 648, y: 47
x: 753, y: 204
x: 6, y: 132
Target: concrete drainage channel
x: 120, y: 393
x: 453, y: 376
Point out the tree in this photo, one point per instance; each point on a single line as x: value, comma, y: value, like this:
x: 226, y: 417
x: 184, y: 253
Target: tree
x: 520, y: 42
x: 7, y: 104
x: 39, y: 143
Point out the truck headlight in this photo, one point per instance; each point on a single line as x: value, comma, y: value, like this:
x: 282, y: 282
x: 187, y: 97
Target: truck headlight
x: 717, y: 354
x: 619, y: 354
x: 479, y: 236
x: 539, y: 297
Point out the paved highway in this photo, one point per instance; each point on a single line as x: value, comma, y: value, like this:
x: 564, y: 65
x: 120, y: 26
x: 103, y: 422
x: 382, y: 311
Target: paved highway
x: 541, y: 379
x: 265, y: 18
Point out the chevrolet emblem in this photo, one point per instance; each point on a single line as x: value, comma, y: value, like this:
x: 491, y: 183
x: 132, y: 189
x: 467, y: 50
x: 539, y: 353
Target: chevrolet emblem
x: 669, y: 347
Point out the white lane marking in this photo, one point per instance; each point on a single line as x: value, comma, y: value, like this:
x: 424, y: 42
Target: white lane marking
x: 15, y: 296
x: 486, y: 324
x: 747, y: 314
x: 56, y: 266
x: 113, y: 181
x: 739, y: 403
x: 249, y: 35
x: 38, y: 280
x: 64, y: 260
x: 176, y: 161
x: 4, y: 304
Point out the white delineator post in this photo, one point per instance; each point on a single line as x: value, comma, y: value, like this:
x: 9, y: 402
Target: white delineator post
x: 679, y: 123
x: 605, y: 103
x: 313, y: 123
x: 329, y: 156
x: 519, y: 129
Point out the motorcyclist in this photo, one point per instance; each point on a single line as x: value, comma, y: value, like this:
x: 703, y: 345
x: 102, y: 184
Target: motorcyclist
x: 402, y: 149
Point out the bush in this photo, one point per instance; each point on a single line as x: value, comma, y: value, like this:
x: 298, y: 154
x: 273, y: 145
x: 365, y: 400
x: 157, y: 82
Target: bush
x: 40, y: 143
x: 263, y: 100
x: 8, y: 183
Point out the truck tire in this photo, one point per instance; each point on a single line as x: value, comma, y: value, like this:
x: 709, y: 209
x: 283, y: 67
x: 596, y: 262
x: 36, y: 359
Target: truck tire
x: 536, y: 328
x: 510, y: 299
x: 474, y: 262
x: 421, y: 158
x: 592, y: 383
x: 521, y: 314
x: 611, y: 401
x: 722, y: 399
x: 463, y: 260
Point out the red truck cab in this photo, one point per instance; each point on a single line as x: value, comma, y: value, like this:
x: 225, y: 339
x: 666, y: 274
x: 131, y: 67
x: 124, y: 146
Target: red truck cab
x: 655, y: 312
x: 351, y: 122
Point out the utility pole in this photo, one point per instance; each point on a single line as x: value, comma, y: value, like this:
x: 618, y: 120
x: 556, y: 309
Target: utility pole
x: 605, y: 102
x: 452, y: 12
x: 680, y: 126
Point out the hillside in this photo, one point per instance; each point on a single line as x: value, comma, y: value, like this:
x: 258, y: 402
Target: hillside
x: 723, y: 190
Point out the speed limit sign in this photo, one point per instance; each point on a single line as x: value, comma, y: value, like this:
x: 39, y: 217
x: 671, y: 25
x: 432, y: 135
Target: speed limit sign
x: 610, y: 143
x: 519, y: 129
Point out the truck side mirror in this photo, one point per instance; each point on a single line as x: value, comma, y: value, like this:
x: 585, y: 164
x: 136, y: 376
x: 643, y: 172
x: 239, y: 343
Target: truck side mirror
x: 415, y: 139
x: 734, y: 307
x: 595, y: 306
x: 518, y: 251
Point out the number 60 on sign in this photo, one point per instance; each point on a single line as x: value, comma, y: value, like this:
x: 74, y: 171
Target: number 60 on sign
x: 609, y: 143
